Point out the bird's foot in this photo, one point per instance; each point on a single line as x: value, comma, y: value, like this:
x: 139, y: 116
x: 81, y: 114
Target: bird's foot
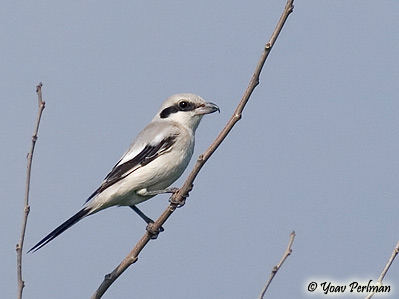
x: 182, y: 201
x: 153, y: 232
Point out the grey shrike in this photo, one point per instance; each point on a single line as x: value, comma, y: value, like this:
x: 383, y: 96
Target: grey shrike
x: 156, y: 158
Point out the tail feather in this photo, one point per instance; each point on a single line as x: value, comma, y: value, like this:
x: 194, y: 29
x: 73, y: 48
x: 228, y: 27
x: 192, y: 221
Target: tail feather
x: 60, y: 229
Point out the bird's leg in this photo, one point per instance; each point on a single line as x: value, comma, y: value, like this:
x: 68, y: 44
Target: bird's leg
x: 145, y: 192
x: 149, y: 222
x: 143, y: 216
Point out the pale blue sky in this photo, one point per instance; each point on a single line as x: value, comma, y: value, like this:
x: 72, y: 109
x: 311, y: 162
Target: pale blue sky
x: 316, y: 150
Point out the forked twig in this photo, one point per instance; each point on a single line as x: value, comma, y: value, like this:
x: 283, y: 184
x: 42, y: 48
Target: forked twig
x: 178, y: 198
x: 287, y: 252
x: 19, y: 246
x: 386, y: 268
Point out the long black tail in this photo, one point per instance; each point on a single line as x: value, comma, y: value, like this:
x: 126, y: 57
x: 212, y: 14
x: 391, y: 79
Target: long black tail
x: 63, y: 227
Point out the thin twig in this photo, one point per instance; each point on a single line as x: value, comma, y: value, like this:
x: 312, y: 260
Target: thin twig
x: 19, y: 246
x: 178, y: 198
x: 287, y: 252
x: 386, y: 268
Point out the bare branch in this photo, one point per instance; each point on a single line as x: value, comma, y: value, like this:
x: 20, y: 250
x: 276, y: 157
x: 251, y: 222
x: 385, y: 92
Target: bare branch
x: 178, y: 198
x: 276, y: 268
x: 386, y: 268
x: 19, y: 246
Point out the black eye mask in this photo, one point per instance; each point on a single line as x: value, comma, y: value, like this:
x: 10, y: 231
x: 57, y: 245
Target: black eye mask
x: 181, y: 106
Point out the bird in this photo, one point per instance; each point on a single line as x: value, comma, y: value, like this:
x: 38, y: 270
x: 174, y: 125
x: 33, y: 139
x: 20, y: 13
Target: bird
x: 156, y: 158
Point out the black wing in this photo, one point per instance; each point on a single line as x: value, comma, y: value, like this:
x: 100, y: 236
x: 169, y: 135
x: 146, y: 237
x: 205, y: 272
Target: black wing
x: 148, y: 154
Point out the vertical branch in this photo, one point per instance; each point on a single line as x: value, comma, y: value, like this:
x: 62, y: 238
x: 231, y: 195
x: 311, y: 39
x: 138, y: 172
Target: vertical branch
x: 287, y: 252
x: 386, y: 268
x: 20, y: 245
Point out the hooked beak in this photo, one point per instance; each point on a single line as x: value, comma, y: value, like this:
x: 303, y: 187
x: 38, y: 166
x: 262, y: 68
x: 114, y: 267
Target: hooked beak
x: 207, y: 108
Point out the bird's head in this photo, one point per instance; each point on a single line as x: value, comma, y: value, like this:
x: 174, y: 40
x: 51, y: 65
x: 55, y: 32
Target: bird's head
x: 186, y: 109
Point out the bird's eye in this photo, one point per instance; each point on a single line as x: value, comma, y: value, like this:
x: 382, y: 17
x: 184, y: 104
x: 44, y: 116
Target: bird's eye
x: 183, y: 105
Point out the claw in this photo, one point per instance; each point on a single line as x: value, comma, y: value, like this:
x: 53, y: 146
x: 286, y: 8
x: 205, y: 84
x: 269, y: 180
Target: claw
x: 154, y: 233
x: 179, y: 203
